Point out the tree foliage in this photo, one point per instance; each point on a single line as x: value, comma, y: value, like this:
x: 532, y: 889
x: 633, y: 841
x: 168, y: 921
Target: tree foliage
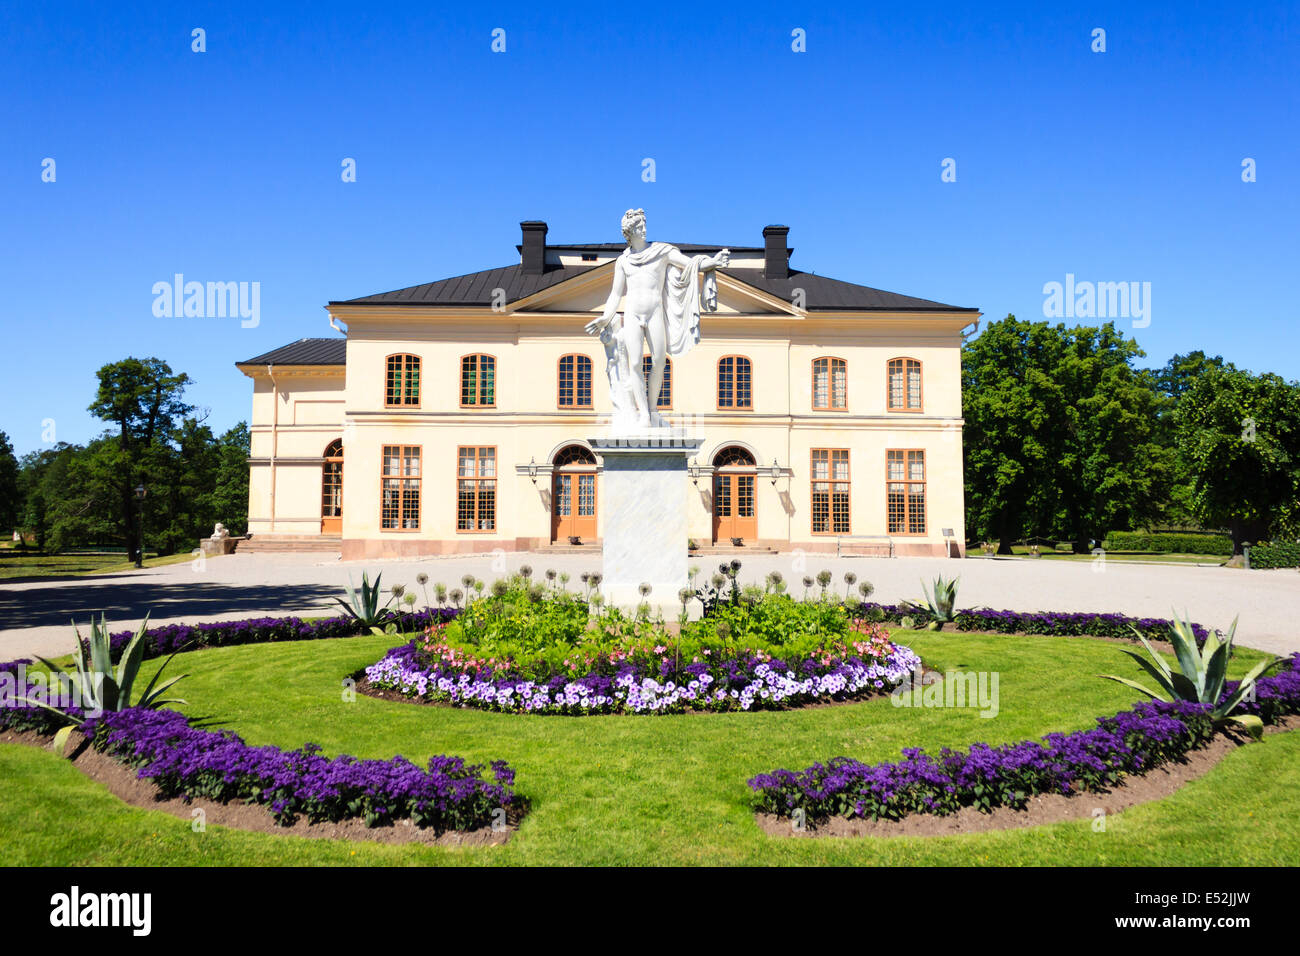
x: 1238, y: 437
x: 1061, y: 436
x: 84, y: 495
x: 10, y: 492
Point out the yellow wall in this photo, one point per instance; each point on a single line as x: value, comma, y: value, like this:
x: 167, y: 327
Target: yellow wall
x: 526, y: 424
x: 294, y: 422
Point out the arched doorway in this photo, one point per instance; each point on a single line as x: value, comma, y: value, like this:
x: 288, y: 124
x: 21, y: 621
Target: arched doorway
x: 331, y: 489
x: 734, y: 513
x: 573, y: 494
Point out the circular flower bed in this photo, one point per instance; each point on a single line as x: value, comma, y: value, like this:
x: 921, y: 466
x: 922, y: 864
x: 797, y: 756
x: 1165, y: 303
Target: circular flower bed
x: 651, y: 674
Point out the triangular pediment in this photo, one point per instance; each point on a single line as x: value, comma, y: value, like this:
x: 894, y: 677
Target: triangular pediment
x: 588, y: 292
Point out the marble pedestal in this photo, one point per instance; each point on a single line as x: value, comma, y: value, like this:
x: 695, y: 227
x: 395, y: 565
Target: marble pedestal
x: 644, y: 506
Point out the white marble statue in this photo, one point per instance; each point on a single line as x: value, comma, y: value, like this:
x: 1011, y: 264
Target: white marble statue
x: 662, y: 311
x: 219, y: 532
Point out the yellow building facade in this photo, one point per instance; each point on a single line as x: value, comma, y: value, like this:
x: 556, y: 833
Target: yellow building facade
x: 454, y: 416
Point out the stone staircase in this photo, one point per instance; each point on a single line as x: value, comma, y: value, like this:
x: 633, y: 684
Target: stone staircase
x: 263, y: 543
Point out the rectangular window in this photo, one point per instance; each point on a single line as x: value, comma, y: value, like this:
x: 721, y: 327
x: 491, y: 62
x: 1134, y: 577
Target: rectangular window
x: 830, y: 491
x: 399, y: 488
x: 830, y: 384
x: 476, y: 488
x: 905, y: 494
x: 402, y: 381
x: 478, y: 381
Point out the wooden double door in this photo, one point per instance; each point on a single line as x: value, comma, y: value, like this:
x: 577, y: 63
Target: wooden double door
x: 573, y: 511
x: 734, y: 514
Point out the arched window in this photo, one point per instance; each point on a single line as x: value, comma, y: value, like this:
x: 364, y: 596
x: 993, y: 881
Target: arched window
x: 830, y: 384
x: 735, y: 383
x: 574, y: 389
x: 903, y: 388
x: 574, y: 455
x: 733, y: 456
x: 402, y: 381
x: 478, y: 381
x: 666, y: 392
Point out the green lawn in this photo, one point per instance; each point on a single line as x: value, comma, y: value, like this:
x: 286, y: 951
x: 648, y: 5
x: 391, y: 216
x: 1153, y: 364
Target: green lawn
x: 647, y: 790
x: 24, y: 564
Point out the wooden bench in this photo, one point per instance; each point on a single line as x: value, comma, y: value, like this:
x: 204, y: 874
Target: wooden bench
x: 863, y: 540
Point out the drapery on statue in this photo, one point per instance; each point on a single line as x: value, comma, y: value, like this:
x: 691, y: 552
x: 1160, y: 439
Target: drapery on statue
x: 662, y: 287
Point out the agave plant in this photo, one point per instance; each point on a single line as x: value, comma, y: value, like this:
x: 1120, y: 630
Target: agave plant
x: 1201, y: 676
x: 363, y: 605
x: 940, y: 601
x: 99, y: 686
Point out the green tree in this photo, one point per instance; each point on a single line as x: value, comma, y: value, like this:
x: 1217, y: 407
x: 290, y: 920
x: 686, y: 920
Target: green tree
x: 1238, y: 436
x: 11, y: 497
x: 82, y: 509
x: 44, y: 478
x: 230, y: 494
x: 1113, y: 471
x: 1061, y: 436
x: 1172, y: 383
x: 1007, y: 402
x: 144, y: 399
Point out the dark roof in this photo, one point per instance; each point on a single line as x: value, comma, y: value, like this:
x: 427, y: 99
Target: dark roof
x: 475, y: 288
x: 820, y: 292
x: 620, y: 246
x: 331, y: 351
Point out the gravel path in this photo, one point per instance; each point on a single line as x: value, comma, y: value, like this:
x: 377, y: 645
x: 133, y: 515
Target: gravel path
x: 35, y: 614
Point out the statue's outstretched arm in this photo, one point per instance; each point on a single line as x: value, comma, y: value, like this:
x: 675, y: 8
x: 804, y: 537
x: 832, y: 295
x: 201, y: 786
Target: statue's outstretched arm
x: 707, y: 263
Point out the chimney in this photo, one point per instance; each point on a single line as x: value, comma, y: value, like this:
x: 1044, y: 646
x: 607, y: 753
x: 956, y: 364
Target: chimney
x: 534, y: 247
x: 776, y: 257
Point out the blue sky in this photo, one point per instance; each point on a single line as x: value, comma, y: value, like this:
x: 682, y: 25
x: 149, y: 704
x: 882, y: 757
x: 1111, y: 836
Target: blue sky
x: 225, y: 165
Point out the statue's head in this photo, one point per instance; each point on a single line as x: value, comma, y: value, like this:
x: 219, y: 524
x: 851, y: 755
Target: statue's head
x: 633, y: 222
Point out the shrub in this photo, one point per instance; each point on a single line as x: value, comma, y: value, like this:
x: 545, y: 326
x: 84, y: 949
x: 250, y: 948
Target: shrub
x: 518, y: 618
x: 937, y: 607
x: 1200, y: 677
x: 1168, y: 542
x: 97, y: 685
x: 1283, y: 554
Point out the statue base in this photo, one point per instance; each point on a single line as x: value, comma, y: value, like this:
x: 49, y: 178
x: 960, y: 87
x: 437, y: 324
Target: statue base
x: 644, y: 502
